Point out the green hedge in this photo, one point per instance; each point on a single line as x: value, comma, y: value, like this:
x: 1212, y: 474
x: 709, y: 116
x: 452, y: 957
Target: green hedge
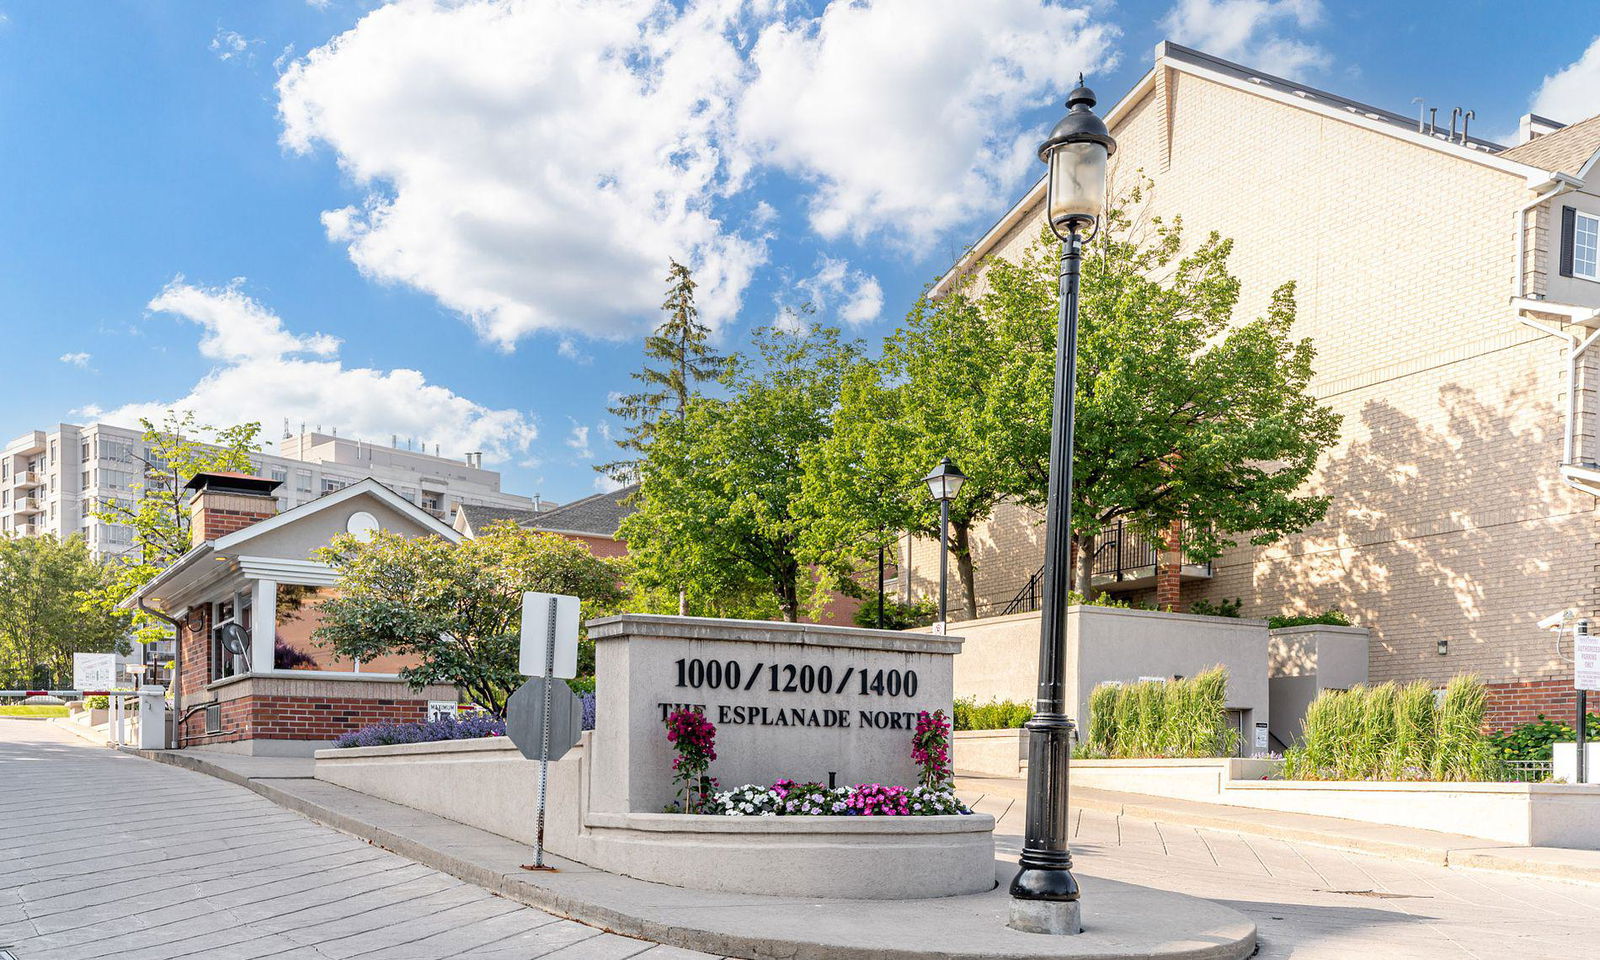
x: 1327, y: 618
x: 1174, y: 718
x: 1535, y: 741
x: 1388, y: 732
x: 994, y: 715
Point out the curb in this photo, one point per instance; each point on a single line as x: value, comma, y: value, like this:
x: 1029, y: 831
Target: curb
x: 1468, y: 854
x: 1240, y: 944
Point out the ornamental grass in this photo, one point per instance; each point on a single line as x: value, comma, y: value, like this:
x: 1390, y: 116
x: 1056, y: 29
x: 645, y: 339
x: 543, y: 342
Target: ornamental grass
x: 1154, y: 718
x: 1388, y: 732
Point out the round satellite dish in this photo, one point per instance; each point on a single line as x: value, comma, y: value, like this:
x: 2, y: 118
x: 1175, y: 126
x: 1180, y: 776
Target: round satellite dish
x: 234, y: 639
x: 363, y: 525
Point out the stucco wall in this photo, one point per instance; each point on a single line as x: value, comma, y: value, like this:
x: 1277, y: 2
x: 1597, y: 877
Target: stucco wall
x: 1000, y: 656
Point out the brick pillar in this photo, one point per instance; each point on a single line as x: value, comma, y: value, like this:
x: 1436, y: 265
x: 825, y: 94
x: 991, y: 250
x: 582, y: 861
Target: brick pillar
x: 1169, y: 569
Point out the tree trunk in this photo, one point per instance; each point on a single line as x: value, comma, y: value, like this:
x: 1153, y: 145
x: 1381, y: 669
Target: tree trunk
x: 962, y: 551
x: 683, y: 602
x: 1084, y: 579
x: 789, y: 600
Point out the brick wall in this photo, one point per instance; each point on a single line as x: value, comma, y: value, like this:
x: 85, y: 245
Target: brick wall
x: 1449, y: 519
x: 299, y: 718
x: 1524, y: 701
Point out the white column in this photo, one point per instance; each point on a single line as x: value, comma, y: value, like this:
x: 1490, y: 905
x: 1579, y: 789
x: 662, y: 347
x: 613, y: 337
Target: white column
x: 263, y: 624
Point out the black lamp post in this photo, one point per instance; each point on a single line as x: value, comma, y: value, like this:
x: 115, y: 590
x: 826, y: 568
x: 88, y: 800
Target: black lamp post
x: 1044, y: 892
x: 944, y: 483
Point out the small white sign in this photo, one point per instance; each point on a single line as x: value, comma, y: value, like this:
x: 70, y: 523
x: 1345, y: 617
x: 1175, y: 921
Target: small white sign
x: 442, y: 709
x: 94, y: 671
x: 537, y: 635
x: 938, y: 628
x: 1261, y: 738
x: 1586, y: 666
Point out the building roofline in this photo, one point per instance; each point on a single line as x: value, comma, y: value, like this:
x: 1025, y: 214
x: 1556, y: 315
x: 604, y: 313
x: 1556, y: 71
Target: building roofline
x: 1175, y: 56
x: 232, y: 540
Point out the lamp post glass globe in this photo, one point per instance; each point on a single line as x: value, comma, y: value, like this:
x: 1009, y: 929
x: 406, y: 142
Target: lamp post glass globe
x: 944, y: 483
x: 1076, y: 153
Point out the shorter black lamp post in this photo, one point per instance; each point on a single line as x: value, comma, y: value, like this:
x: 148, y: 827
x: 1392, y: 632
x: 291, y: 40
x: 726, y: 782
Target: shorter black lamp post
x: 944, y: 483
x: 1044, y: 892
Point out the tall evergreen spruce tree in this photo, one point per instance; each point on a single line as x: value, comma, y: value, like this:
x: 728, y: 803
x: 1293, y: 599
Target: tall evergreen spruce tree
x: 686, y: 360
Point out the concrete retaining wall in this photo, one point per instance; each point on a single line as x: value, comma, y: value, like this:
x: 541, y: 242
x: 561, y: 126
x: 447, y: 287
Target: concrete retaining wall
x: 1525, y: 814
x: 1000, y: 658
x: 993, y: 753
x: 487, y: 784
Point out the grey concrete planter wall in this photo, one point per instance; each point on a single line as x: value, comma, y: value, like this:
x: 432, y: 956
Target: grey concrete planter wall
x: 487, y: 784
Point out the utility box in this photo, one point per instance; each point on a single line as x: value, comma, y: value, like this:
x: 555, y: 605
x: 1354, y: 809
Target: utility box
x: 152, y: 718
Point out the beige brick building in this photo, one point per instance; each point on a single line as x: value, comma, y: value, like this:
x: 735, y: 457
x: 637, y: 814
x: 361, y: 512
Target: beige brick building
x: 1442, y: 280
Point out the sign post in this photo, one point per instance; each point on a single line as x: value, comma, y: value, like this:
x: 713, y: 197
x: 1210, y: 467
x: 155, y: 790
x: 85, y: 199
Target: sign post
x: 549, y: 650
x: 1585, y: 677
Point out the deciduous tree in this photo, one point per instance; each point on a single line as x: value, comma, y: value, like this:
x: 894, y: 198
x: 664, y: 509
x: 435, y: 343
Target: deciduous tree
x: 1183, y: 413
x: 719, y: 489
x: 179, y: 448
x: 49, y: 609
x: 456, y: 607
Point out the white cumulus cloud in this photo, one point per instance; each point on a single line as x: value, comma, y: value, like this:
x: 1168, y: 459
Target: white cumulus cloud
x: 264, y: 372
x: 1573, y: 92
x: 839, y: 290
x: 79, y: 360
x: 902, y: 114
x: 578, y: 440
x: 1256, y: 33
x: 532, y: 165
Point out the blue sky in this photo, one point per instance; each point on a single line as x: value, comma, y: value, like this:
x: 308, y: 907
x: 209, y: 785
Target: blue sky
x: 450, y: 221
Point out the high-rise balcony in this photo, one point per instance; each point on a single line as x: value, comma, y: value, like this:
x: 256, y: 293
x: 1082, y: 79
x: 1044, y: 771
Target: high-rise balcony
x: 27, y: 478
x: 27, y: 505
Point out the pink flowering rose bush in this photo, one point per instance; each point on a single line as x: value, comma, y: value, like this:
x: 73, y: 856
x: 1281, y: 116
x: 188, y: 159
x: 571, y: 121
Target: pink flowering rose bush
x: 930, y: 751
x: 694, y: 739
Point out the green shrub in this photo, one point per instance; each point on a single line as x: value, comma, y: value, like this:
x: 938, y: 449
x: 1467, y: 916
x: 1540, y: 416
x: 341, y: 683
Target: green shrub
x: 1153, y: 718
x: 1534, y: 741
x: 582, y: 685
x: 994, y: 715
x: 896, y: 615
x: 1413, y: 731
x: 1222, y: 608
x: 1102, y: 720
x: 1389, y: 732
x: 1327, y: 618
x: 98, y: 702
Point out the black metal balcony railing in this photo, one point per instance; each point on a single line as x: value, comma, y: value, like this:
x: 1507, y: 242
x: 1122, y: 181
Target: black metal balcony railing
x: 1120, y: 555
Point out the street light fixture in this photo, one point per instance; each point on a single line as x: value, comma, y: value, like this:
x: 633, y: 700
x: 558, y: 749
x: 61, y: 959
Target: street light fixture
x: 944, y: 483
x: 1044, y: 892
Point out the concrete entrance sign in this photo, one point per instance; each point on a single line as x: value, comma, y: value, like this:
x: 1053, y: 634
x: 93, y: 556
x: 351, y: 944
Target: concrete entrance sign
x: 797, y: 701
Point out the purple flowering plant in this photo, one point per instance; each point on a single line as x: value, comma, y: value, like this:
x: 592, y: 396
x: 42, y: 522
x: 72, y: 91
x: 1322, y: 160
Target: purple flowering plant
x: 427, y: 731
x: 694, y: 739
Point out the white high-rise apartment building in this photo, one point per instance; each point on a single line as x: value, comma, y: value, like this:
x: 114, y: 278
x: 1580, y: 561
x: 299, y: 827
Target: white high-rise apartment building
x: 53, y: 481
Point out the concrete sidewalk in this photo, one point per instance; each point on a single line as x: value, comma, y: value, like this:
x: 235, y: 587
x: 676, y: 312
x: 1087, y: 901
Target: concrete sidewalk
x: 1121, y: 919
x: 1404, y: 843
x: 1311, y: 899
